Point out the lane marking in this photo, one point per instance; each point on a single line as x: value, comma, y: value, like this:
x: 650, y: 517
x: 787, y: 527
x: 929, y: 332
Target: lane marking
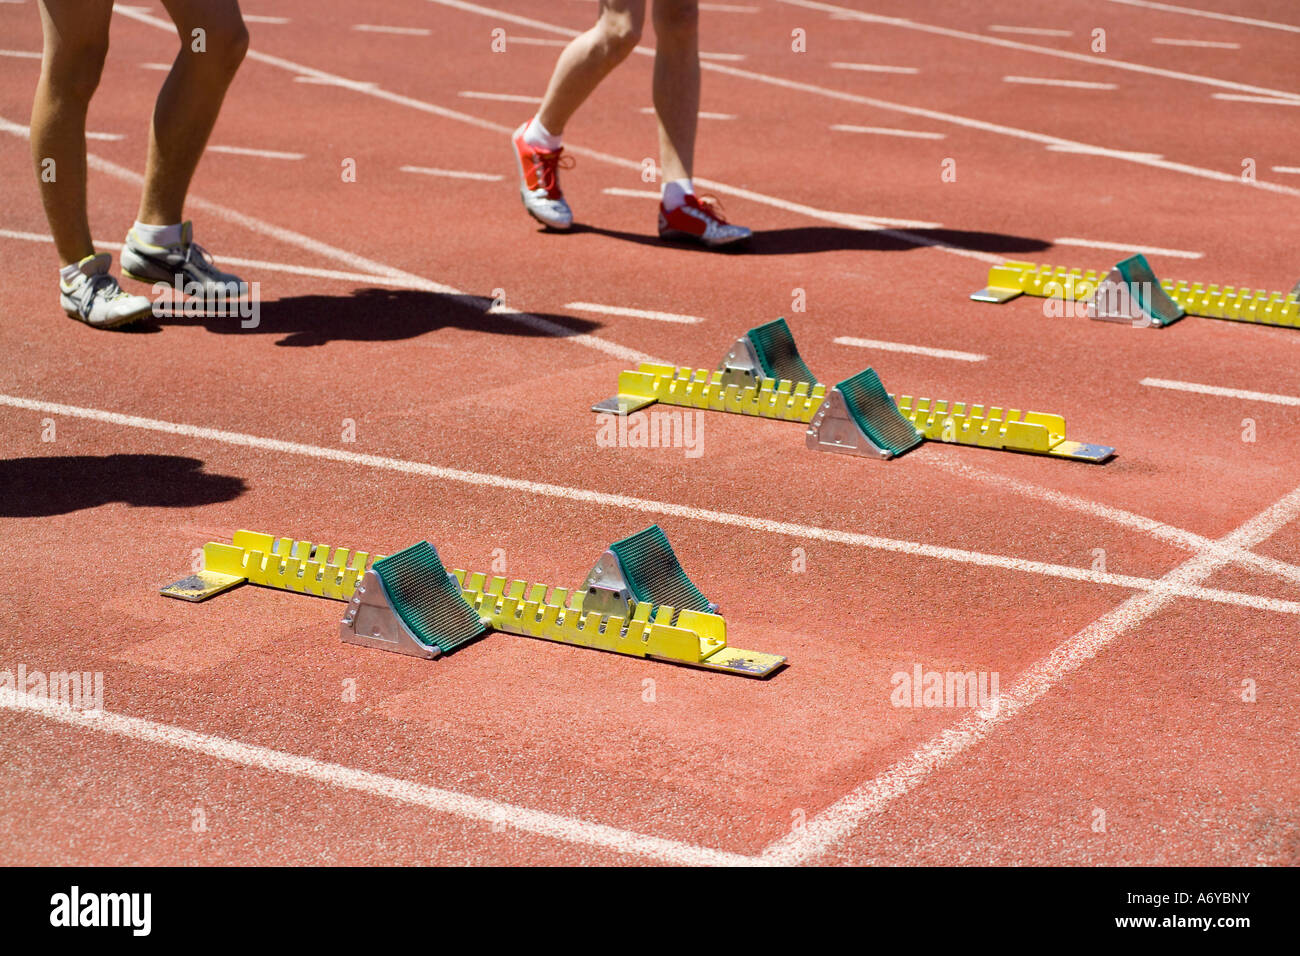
x: 22, y: 54
x: 875, y: 68
x: 1220, y: 392
x: 263, y: 153
x: 1286, y: 169
x: 648, y: 506
x: 256, y: 18
x: 888, y: 131
x: 837, y: 822
x: 702, y: 114
x: 539, y: 822
x: 105, y: 137
x: 634, y: 313
x: 1094, y: 60
x: 503, y: 97
x: 729, y: 57
x: 358, y: 86
x: 360, y: 278
x: 654, y: 194
x: 1268, y: 100
x: 1033, y: 31
x: 913, y: 349
x: 727, y: 8
x: 160, y: 67
x: 535, y: 41
x: 399, y: 31
x: 1129, y: 248
x: 453, y: 173
x: 325, y: 250
x: 1205, y: 44
x: 1130, y: 155
x: 1167, y: 533
x: 1070, y: 84
x: 1226, y: 17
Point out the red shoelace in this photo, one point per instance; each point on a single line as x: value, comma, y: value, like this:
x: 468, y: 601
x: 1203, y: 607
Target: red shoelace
x: 549, y: 163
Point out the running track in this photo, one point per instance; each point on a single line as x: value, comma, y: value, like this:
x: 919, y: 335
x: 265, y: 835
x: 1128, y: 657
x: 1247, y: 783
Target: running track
x: 1122, y: 606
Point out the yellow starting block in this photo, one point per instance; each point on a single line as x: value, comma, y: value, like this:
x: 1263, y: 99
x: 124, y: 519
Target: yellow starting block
x: 1130, y: 293
x: 409, y: 603
x: 861, y: 418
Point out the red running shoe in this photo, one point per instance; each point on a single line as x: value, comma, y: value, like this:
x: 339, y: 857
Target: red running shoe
x: 539, y: 182
x: 700, y: 220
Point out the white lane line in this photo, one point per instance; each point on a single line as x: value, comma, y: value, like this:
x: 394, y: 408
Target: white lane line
x: 160, y: 67
x: 324, y: 249
x: 1220, y: 392
x: 888, y: 131
x: 728, y: 57
x: 702, y: 114
x: 1090, y: 58
x: 359, y: 86
x: 502, y: 97
x: 1032, y: 31
x: 1170, y: 534
x: 837, y: 822
x: 1287, y: 169
x: 1048, y: 81
x: 1130, y: 248
x: 1267, y: 100
x: 1209, y: 14
x: 634, y: 313
x: 399, y: 31
x: 540, y: 822
x: 105, y: 137
x: 728, y: 8
x: 454, y: 173
x: 22, y: 54
x: 257, y: 18
x: 1129, y: 155
x: 648, y: 506
x: 913, y: 349
x: 875, y: 68
x: 361, y: 278
x: 535, y: 41
x: 1199, y: 44
x: 247, y: 151
x: 883, y: 220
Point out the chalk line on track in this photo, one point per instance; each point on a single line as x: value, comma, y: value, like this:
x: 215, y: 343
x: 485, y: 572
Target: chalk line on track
x: 648, y: 506
x: 1210, y: 14
x: 837, y: 822
x: 1220, y: 392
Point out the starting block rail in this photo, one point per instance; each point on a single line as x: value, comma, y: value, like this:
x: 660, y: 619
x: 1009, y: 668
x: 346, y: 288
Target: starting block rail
x: 1206, y: 300
x: 648, y: 629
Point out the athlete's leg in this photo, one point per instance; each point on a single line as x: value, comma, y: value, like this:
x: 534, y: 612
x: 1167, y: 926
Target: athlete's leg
x: 76, y: 42
x: 677, y: 84
x: 213, y: 43
x: 589, y: 58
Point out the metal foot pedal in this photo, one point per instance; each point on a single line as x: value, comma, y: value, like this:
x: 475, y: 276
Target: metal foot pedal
x: 407, y: 603
x: 1132, y: 294
x: 765, y: 352
x: 859, y: 418
x: 642, y: 569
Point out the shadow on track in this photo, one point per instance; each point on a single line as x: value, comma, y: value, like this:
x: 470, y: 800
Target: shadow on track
x: 41, y: 487
x: 371, y: 315
x: 808, y: 239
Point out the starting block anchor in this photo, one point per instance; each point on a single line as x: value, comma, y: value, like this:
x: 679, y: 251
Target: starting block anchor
x: 1132, y: 294
x: 642, y: 569
x: 859, y: 418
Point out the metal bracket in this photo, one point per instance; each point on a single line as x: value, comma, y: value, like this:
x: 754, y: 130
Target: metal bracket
x: 1114, y: 301
x: 608, y: 592
x: 833, y: 428
x: 371, y: 622
x: 740, y: 366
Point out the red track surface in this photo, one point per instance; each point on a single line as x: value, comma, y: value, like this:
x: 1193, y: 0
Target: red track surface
x: 1153, y: 730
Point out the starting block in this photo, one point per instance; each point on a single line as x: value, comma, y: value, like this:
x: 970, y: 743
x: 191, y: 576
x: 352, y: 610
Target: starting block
x: 411, y: 604
x: 1131, y: 293
x: 856, y: 417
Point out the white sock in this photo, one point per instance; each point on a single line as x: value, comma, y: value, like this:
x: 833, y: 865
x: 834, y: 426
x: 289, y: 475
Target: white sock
x: 675, y: 193
x: 159, y: 235
x: 539, y: 137
x: 70, y: 271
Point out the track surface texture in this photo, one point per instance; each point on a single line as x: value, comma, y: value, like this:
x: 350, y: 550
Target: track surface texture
x: 1140, y: 617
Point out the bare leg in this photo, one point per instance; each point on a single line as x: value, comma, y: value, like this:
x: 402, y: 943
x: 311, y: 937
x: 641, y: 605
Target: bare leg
x: 589, y: 59
x: 76, y: 42
x: 677, y: 84
x: 189, y: 101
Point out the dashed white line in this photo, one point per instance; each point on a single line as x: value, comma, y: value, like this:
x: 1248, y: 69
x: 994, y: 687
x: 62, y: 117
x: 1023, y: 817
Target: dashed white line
x: 503, y: 97
x: 1291, y: 170
x: 913, y: 349
x: 888, y: 131
x: 702, y: 114
x: 647, y: 506
x: 1199, y: 44
x: 535, y: 41
x: 875, y: 68
x: 727, y: 57
x: 399, y: 31
x: 1032, y: 31
x: 633, y: 313
x: 550, y: 825
x: 1130, y: 248
x: 22, y: 54
x: 159, y: 67
x: 258, y: 18
x: 1068, y: 84
x: 1267, y: 100
x: 1209, y: 14
x: 1221, y: 392
x: 248, y: 151
x: 454, y: 173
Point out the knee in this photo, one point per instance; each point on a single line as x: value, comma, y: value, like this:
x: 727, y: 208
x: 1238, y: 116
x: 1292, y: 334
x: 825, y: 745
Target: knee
x: 73, y: 69
x: 676, y: 18
x: 619, y: 34
x: 222, y: 43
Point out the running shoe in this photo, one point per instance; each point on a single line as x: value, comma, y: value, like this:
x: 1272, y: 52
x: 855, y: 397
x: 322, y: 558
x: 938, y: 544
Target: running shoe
x: 539, y: 182
x: 187, y: 260
x: 700, y: 220
x: 94, y: 297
